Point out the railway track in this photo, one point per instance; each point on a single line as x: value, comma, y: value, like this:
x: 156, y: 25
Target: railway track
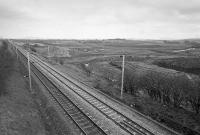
x: 119, y: 119
x: 73, y: 110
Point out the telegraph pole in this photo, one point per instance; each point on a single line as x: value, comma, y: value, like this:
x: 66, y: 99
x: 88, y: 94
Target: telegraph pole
x: 16, y: 52
x: 122, y: 82
x: 48, y: 52
x: 29, y: 70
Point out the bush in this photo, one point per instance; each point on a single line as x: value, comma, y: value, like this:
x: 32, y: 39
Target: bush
x: 33, y: 49
x: 61, y: 61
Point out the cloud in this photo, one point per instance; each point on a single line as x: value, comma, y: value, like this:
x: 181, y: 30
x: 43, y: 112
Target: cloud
x: 100, y: 18
x: 6, y: 13
x: 190, y: 11
x: 16, y: 12
x: 170, y: 10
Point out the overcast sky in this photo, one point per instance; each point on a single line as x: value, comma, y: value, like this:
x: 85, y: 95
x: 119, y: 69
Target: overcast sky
x: 97, y: 19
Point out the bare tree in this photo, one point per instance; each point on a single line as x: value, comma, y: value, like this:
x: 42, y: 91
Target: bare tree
x: 166, y: 90
x: 179, y: 89
x: 131, y: 82
x: 153, y: 83
x: 194, y: 97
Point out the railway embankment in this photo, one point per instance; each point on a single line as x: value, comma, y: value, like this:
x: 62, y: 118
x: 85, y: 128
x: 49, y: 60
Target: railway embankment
x: 18, y: 112
x: 49, y: 112
x: 23, y: 112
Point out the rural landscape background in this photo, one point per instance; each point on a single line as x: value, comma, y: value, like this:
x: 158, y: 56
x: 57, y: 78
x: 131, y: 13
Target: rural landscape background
x: 161, y: 76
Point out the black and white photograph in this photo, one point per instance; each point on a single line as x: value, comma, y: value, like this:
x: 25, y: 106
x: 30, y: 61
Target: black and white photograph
x: 99, y: 67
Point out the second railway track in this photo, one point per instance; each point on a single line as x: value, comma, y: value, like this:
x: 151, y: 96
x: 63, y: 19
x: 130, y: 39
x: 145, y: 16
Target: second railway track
x: 119, y: 119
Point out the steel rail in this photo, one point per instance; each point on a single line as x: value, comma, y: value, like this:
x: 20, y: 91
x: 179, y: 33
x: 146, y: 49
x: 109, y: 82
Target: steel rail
x: 69, y: 104
x: 127, y: 124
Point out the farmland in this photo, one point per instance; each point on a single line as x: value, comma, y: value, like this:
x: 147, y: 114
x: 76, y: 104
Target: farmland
x: 159, y: 64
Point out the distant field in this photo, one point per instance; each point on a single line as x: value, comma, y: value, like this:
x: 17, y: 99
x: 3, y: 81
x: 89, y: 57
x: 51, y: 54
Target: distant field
x: 176, y: 55
x: 98, y: 63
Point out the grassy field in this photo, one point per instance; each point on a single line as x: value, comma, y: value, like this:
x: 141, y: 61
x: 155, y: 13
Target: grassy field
x: 98, y: 63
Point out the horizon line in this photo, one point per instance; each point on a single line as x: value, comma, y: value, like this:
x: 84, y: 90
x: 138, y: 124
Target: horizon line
x: 37, y: 38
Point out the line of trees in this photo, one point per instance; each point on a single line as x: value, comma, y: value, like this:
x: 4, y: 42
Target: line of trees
x: 167, y: 89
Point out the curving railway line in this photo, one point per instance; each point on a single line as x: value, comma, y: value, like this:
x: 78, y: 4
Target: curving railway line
x: 75, y: 110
